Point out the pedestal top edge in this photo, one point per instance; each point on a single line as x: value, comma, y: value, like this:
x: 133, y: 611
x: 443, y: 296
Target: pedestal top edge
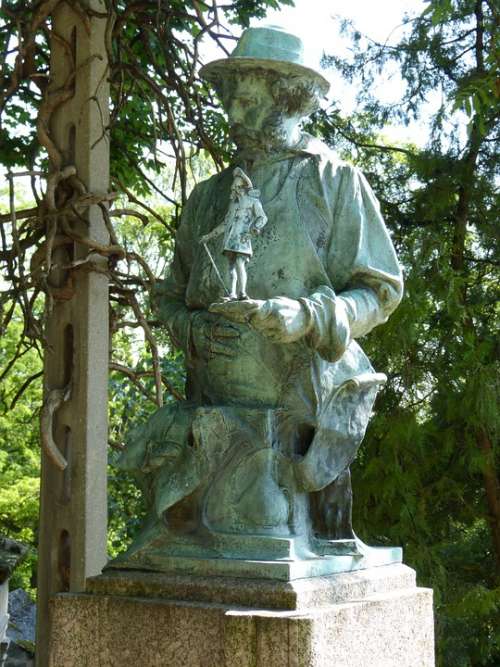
x: 291, y: 595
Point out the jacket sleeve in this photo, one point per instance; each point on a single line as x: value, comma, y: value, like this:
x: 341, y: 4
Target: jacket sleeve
x: 260, y: 218
x: 361, y: 260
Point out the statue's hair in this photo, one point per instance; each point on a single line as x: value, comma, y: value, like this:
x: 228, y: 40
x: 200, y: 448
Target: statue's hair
x: 294, y: 95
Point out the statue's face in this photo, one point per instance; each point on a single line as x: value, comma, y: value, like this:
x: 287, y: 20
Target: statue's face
x: 238, y: 187
x: 250, y: 105
x: 255, y: 120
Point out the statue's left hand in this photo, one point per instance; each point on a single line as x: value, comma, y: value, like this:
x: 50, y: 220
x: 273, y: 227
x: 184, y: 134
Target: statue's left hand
x: 281, y: 319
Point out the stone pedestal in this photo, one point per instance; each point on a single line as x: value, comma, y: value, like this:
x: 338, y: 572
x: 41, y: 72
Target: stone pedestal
x: 372, y: 618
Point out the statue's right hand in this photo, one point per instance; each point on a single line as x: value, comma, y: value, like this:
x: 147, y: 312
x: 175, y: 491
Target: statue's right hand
x: 213, y: 336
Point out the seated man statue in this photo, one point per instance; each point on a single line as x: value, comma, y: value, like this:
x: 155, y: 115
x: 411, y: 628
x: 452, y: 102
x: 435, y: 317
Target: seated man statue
x: 279, y: 393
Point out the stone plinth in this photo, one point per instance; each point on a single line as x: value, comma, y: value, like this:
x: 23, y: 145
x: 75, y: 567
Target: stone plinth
x: 372, y: 618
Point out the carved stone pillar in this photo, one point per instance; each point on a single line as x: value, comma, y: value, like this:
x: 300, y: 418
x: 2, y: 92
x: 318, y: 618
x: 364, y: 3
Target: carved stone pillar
x: 73, y: 516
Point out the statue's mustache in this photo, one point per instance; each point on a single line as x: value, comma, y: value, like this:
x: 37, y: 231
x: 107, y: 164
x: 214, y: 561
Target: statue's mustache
x: 239, y: 130
x: 272, y: 131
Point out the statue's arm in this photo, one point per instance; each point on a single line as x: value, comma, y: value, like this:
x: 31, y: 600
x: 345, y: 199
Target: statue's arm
x: 171, y: 294
x: 372, y: 274
x: 361, y: 257
x: 375, y: 283
x: 217, y: 231
x: 260, y: 218
x: 197, y: 332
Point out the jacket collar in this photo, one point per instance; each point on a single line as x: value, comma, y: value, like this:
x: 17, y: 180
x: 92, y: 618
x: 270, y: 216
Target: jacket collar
x: 307, y: 146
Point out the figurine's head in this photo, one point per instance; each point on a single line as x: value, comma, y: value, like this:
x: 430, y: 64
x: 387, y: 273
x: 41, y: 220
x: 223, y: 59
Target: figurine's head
x: 266, y: 88
x: 241, y: 182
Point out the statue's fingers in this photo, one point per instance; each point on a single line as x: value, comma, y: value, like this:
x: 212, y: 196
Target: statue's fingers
x: 220, y: 350
x: 218, y: 308
x: 213, y: 348
x: 225, y: 331
x: 225, y: 307
x: 267, y: 327
x: 235, y: 315
x: 262, y: 318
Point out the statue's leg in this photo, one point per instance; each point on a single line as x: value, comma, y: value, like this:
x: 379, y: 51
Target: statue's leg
x: 242, y: 276
x: 233, y: 277
x: 332, y: 509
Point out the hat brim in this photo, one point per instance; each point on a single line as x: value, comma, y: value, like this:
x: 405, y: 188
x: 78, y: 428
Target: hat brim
x: 216, y: 70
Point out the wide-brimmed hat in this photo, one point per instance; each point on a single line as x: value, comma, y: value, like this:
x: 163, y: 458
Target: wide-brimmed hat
x: 269, y: 48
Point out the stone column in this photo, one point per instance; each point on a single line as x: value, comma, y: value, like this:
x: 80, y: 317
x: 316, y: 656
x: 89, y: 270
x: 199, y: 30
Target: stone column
x: 73, y: 514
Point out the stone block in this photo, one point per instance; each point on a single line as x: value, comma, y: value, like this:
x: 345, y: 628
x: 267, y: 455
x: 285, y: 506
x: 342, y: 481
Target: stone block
x: 372, y: 618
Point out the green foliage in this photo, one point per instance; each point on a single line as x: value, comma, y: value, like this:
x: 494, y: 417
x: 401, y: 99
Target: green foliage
x: 19, y: 454
x: 430, y: 458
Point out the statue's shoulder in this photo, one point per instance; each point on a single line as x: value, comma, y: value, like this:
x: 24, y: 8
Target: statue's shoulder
x: 325, y: 161
x: 209, y: 187
x: 204, y: 186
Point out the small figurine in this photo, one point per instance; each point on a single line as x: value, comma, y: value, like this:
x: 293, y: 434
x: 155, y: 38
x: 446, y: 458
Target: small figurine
x: 245, y: 216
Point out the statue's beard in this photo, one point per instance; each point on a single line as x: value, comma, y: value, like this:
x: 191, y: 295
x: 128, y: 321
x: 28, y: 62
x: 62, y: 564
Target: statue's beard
x: 272, y: 136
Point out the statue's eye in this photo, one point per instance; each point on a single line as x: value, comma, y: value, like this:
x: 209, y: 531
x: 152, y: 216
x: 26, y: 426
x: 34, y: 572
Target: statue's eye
x: 245, y: 100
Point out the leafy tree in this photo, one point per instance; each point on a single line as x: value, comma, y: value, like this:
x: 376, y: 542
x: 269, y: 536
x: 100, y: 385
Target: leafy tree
x: 427, y: 477
x: 19, y: 455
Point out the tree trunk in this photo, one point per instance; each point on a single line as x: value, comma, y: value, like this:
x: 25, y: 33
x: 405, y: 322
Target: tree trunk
x: 492, y: 487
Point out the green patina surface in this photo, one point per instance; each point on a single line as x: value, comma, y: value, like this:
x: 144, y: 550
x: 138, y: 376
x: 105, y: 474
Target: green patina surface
x: 250, y: 476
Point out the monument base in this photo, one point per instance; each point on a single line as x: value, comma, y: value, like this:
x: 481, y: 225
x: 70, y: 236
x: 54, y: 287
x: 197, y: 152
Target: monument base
x: 372, y: 618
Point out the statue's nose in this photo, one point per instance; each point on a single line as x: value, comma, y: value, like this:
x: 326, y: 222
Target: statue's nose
x: 235, y: 112
x: 232, y: 114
